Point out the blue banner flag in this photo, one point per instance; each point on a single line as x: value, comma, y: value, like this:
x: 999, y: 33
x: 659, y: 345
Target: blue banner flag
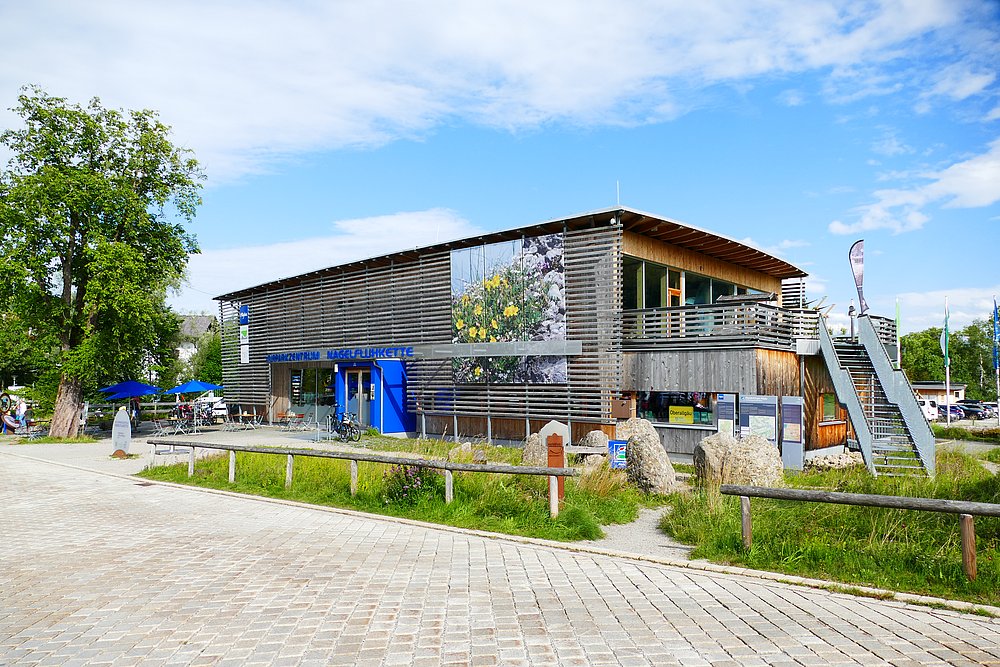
x: 996, y: 336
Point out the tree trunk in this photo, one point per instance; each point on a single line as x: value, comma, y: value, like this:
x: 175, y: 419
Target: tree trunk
x: 68, y: 408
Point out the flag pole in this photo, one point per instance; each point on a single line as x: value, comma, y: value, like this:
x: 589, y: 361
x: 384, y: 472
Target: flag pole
x: 899, y: 354
x: 996, y: 351
x: 947, y: 366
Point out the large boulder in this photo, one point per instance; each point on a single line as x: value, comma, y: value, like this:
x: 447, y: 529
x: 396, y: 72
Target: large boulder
x: 646, y: 463
x: 710, y: 456
x: 835, y: 461
x: 535, y: 452
x: 595, y: 438
x: 633, y: 426
x: 753, y: 461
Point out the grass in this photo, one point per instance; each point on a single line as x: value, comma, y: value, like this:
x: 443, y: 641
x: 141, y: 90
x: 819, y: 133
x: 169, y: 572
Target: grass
x: 46, y: 440
x: 917, y: 552
x: 511, y: 504
x: 959, y: 433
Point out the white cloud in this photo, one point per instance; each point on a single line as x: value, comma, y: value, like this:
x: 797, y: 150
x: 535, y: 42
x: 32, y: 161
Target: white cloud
x: 891, y: 145
x: 249, y: 84
x: 971, y: 183
x: 792, y: 98
x: 922, y: 310
x: 779, y: 249
x: 958, y: 82
x: 216, y: 272
x: 994, y: 114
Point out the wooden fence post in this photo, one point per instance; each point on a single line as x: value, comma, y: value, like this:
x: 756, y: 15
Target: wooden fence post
x: 557, y: 458
x: 232, y: 466
x: 745, y: 520
x: 553, y: 496
x: 449, y: 486
x: 354, y: 477
x: 191, y: 463
x: 288, y: 471
x: 968, y: 530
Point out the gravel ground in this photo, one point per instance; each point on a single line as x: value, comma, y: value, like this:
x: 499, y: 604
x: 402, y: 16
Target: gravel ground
x: 642, y: 537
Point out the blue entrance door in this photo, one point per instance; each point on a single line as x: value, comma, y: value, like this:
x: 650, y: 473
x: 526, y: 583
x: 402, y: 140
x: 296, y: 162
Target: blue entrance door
x: 359, y: 383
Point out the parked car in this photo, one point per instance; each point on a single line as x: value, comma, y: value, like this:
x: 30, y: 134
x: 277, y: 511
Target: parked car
x: 930, y: 408
x: 956, y: 412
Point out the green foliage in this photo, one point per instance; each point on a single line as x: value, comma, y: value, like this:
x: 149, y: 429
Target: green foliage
x: 959, y: 433
x: 513, y: 504
x: 206, y: 364
x: 970, y: 351
x: 87, y: 208
x: 895, y: 549
x: 408, y: 485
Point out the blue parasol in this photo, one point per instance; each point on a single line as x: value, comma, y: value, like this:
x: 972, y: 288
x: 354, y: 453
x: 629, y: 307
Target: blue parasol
x: 130, y: 389
x: 192, y: 387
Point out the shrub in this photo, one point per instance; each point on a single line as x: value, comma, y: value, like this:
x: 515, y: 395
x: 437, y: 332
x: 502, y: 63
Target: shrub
x: 408, y: 485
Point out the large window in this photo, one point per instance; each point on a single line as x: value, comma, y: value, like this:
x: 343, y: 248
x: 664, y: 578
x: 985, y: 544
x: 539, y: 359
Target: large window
x: 676, y: 407
x: 651, y: 285
x: 311, y: 387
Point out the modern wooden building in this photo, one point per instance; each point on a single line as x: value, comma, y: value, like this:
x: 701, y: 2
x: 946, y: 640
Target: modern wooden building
x: 587, y: 320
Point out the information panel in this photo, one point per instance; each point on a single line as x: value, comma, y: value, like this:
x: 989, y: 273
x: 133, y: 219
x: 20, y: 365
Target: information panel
x: 792, y: 432
x: 726, y: 408
x: 759, y: 416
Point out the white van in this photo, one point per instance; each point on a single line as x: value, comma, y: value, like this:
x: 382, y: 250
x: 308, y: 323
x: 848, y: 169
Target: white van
x: 929, y: 407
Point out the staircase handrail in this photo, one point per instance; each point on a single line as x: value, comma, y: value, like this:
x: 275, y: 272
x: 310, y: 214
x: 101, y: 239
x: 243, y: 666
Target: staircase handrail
x: 844, y: 387
x: 898, y: 391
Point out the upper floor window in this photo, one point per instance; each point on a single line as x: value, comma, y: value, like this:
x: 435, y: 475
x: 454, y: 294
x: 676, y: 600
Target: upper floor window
x: 650, y: 285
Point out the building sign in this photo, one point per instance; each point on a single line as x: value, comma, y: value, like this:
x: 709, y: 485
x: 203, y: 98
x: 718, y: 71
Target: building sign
x: 681, y: 414
x: 726, y: 409
x: 616, y: 454
x: 344, y: 354
x: 759, y: 416
x: 244, y: 333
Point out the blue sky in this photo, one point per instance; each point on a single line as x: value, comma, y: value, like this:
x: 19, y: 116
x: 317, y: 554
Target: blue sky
x: 333, y: 131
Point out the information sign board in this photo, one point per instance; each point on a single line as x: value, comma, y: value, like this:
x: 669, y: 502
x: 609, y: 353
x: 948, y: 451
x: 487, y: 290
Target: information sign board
x: 759, y: 416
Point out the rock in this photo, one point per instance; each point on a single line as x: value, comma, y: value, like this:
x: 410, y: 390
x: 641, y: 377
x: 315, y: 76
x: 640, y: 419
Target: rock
x: 630, y: 427
x: 835, y: 461
x: 595, y: 438
x: 535, y: 452
x: 479, y: 456
x: 593, y: 461
x: 753, y: 461
x: 646, y: 464
x: 710, y: 456
x: 461, y: 452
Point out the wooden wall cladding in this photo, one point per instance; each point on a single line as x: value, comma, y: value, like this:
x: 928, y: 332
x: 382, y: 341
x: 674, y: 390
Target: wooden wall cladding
x: 817, y: 382
x: 650, y: 249
x: 695, y: 370
x: 408, y: 302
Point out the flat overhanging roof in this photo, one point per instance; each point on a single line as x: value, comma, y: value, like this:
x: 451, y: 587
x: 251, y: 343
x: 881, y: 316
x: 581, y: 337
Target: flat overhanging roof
x: 646, y: 224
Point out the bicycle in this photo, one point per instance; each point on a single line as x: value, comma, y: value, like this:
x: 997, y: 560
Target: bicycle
x: 344, y: 425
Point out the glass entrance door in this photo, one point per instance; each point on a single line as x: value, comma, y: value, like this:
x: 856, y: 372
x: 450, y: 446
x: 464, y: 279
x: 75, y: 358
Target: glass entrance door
x: 359, y: 397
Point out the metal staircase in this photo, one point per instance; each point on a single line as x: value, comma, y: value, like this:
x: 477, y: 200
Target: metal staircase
x: 894, y: 435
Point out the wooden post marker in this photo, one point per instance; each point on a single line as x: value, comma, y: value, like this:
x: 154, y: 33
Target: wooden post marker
x: 968, y: 530
x: 449, y: 486
x: 354, y: 478
x: 553, y: 496
x: 288, y: 471
x: 557, y: 459
x: 232, y: 466
x: 191, y: 463
x: 745, y: 520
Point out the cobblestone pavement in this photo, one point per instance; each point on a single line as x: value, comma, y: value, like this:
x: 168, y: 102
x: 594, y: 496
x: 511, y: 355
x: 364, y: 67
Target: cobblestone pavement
x: 100, y: 569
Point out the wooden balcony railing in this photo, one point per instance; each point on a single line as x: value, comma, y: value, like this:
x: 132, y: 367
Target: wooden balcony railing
x: 718, y: 326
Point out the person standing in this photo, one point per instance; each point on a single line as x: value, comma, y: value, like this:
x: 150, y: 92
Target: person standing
x: 22, y: 412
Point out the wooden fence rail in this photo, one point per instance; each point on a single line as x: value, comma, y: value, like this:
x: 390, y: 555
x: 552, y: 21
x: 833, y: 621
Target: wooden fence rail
x: 449, y: 467
x: 965, y: 509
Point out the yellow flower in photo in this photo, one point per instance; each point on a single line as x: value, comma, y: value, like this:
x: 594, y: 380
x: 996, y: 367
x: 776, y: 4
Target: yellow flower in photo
x: 477, y: 371
x: 465, y: 299
x: 482, y: 333
x: 510, y: 311
x: 478, y: 310
x: 460, y: 324
x: 494, y: 324
x: 472, y: 331
x: 493, y: 339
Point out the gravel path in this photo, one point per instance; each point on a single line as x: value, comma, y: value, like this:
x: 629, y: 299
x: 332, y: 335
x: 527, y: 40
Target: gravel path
x: 642, y: 537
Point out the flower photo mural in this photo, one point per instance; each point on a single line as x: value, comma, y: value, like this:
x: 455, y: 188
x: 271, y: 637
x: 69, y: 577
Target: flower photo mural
x: 509, y: 292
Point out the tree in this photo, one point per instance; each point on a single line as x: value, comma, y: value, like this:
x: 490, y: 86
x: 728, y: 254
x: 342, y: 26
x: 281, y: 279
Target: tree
x: 206, y: 364
x: 970, y: 351
x: 88, y: 208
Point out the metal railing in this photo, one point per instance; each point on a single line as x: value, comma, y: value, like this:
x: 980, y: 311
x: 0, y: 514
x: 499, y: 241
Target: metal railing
x: 965, y: 509
x: 449, y: 467
x: 730, y: 325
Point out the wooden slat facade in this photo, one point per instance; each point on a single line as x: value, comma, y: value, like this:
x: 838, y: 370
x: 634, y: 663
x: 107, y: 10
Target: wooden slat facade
x: 408, y: 303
